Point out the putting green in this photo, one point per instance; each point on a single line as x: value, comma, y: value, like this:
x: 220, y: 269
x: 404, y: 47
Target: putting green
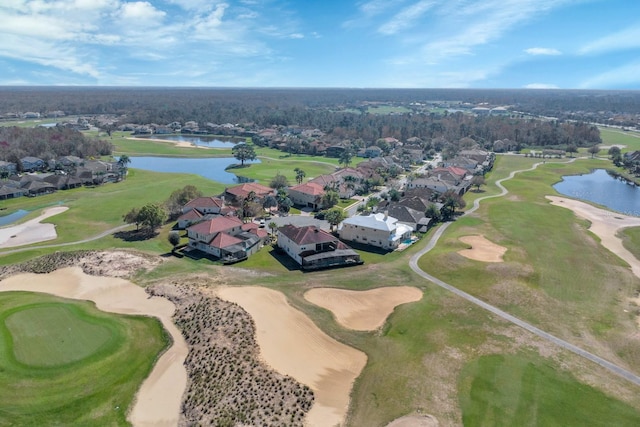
x: 64, y: 362
x: 56, y: 334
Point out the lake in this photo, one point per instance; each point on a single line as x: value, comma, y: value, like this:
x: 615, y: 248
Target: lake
x: 601, y: 188
x: 13, y: 217
x: 212, y: 168
x: 200, y: 140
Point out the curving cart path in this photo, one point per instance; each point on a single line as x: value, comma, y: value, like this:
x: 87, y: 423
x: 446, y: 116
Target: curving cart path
x: 413, y: 263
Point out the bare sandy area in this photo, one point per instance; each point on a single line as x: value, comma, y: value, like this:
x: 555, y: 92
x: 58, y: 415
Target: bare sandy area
x: 415, y: 421
x: 31, y: 231
x: 182, y: 144
x: 293, y: 345
x: 605, y: 224
x: 482, y: 249
x: 160, y: 396
x: 362, y: 310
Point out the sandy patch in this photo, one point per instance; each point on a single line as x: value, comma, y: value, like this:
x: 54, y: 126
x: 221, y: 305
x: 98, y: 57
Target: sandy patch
x: 415, y: 421
x: 293, y: 345
x: 482, y: 249
x: 181, y: 144
x: 605, y: 224
x: 362, y: 310
x: 159, y: 398
x: 31, y: 231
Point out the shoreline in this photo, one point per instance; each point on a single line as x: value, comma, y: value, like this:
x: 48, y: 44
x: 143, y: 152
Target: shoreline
x: 32, y: 231
x: 159, y: 398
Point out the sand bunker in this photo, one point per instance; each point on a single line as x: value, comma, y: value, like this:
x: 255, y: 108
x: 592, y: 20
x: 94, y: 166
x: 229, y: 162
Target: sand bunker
x: 362, y: 310
x: 180, y: 144
x: 30, y: 231
x: 415, y: 421
x: 482, y: 249
x: 293, y: 345
x: 160, y: 396
x: 605, y: 224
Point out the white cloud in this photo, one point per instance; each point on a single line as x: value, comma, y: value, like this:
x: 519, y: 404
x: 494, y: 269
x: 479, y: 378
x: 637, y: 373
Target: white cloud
x: 406, y: 18
x: 296, y: 36
x: 540, y: 86
x: 141, y: 12
x: 628, y: 38
x: 543, y: 51
x: 615, y: 78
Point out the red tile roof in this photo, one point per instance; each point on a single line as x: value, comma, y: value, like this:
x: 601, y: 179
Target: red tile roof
x: 205, y: 202
x: 216, y: 225
x: 192, y: 214
x: 309, y: 188
x: 306, y: 235
x: 243, y: 190
x: 223, y: 240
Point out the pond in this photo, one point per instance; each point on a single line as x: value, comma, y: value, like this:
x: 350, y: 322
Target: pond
x: 12, y: 217
x: 212, y: 168
x: 200, y: 140
x: 601, y: 188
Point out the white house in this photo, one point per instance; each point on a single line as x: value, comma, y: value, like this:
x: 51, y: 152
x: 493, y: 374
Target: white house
x: 313, y: 248
x: 378, y: 230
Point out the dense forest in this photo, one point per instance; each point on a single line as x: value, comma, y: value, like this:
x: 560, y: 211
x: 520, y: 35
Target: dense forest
x: 342, y: 114
x: 48, y: 143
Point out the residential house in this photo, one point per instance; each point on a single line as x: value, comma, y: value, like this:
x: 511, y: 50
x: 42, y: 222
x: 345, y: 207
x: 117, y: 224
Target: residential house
x: 7, y: 168
x: 10, y: 190
x: 431, y: 183
x: 63, y: 182
x: 313, y: 248
x: 205, y: 205
x: 335, y: 150
x: 307, y: 195
x: 32, y: 164
x: 371, y: 152
x: 379, y: 230
x: 242, y: 191
x: 189, y: 218
x: 405, y: 215
x: 224, y: 237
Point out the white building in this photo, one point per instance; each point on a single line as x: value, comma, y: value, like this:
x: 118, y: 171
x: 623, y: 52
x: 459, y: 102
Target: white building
x: 378, y: 230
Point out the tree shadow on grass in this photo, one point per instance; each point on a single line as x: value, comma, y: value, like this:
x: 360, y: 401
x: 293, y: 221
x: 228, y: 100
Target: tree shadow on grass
x: 135, y: 235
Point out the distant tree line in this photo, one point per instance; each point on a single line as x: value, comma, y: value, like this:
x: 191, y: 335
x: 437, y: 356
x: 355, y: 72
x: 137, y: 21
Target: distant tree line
x: 49, y: 143
x: 340, y: 113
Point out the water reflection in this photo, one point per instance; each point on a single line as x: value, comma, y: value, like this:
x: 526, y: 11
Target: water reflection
x: 601, y: 188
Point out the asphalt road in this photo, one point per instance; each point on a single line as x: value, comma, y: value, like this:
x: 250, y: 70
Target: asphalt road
x: 413, y: 263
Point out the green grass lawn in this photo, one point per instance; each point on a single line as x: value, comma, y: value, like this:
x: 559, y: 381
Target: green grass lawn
x: 55, y: 334
x: 516, y: 390
x: 617, y: 136
x: 89, y: 379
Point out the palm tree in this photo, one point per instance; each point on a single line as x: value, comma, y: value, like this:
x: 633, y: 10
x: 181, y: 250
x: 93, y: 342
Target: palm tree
x: 300, y: 174
x: 273, y: 227
x: 123, y: 162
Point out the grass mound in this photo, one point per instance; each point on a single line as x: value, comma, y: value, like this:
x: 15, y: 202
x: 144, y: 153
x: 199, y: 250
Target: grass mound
x: 57, y: 334
x: 517, y: 391
x: 89, y: 379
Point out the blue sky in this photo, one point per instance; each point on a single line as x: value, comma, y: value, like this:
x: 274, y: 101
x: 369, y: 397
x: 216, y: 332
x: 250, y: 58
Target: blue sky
x: 568, y: 44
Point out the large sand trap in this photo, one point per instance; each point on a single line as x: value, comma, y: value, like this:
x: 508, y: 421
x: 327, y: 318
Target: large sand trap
x: 293, y: 345
x: 31, y: 231
x: 160, y: 396
x: 415, y: 421
x: 362, y: 310
x: 605, y: 224
x: 482, y: 249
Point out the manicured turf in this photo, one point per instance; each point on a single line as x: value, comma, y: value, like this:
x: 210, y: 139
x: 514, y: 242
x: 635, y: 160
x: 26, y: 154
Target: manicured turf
x: 504, y: 390
x: 94, y: 386
x: 631, y: 140
x: 55, y: 334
